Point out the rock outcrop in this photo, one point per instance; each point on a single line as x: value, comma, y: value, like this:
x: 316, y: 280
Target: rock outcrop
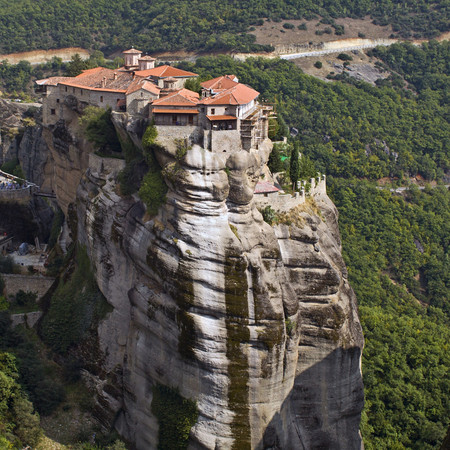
x: 256, y: 323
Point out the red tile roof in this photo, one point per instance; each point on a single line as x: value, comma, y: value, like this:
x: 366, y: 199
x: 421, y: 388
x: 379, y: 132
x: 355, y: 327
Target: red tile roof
x: 132, y: 51
x: 147, y: 58
x: 220, y: 83
x: 164, y: 72
x: 183, y: 97
x: 52, y: 81
x: 174, y: 111
x: 214, y: 118
x: 101, y: 79
x: 240, y: 94
x: 141, y: 83
x: 264, y: 187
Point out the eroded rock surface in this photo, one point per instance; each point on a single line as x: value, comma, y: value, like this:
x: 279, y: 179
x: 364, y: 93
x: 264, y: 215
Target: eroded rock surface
x: 257, y: 323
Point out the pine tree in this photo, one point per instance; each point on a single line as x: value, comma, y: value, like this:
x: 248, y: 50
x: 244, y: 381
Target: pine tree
x: 294, y: 167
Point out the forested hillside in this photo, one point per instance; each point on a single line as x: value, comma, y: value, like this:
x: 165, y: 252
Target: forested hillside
x: 193, y: 25
x: 395, y: 245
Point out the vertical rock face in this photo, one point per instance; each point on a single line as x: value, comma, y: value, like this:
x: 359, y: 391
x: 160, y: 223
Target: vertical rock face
x: 256, y: 323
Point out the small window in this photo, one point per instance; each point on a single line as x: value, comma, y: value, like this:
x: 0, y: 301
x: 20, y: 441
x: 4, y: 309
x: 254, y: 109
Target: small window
x: 66, y: 88
x: 57, y: 100
x: 53, y: 112
x: 81, y: 91
x: 73, y: 90
x: 213, y: 111
x: 101, y: 98
x: 174, y: 118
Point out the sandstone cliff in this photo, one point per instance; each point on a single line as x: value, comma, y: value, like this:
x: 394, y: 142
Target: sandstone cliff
x: 256, y: 323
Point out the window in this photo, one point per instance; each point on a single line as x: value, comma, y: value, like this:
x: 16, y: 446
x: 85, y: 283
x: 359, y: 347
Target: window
x: 52, y: 112
x: 57, y: 100
x: 81, y: 91
x: 66, y: 88
x: 174, y: 118
x: 191, y: 119
x: 73, y: 89
x: 101, y: 98
x: 213, y: 111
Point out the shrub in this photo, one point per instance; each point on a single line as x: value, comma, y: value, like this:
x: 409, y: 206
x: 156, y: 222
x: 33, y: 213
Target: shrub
x: 345, y: 57
x: 153, y: 191
x: 269, y: 214
x: 6, y: 264
x: 26, y: 298
x: 100, y: 130
x: 318, y: 64
x: 302, y: 26
x: 288, y: 26
x: 176, y: 416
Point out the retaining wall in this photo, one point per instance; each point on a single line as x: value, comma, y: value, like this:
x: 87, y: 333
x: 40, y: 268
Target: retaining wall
x: 28, y: 283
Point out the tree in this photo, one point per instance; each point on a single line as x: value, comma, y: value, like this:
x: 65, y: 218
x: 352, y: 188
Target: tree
x: 294, y: 168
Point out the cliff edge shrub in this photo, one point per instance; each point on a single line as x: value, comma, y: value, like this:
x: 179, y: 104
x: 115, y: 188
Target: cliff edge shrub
x: 176, y: 416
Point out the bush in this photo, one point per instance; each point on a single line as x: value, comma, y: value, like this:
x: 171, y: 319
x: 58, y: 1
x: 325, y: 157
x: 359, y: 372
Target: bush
x: 269, y: 214
x: 100, y: 130
x: 6, y: 264
x: 288, y: 26
x: 345, y: 57
x: 302, y: 26
x: 176, y: 416
x: 26, y: 298
x: 318, y: 65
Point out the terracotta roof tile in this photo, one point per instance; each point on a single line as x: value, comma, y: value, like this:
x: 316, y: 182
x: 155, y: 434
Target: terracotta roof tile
x: 142, y: 83
x: 220, y: 83
x: 214, y: 118
x: 240, y: 94
x: 101, y: 78
x: 132, y: 51
x: 174, y: 111
x: 264, y: 187
x: 183, y: 97
x: 52, y: 81
x: 165, y: 71
x: 147, y: 58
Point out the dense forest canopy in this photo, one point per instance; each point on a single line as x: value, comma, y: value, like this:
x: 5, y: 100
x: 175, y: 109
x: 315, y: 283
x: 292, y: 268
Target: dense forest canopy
x: 193, y: 25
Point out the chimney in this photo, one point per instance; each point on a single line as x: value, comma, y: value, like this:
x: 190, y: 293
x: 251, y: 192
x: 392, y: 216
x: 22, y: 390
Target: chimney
x: 103, y: 82
x: 115, y: 75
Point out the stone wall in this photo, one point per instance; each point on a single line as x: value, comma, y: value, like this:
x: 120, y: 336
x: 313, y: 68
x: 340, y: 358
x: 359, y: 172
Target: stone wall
x: 167, y: 135
x: 15, y: 195
x: 225, y: 141
x: 285, y: 202
x: 28, y: 283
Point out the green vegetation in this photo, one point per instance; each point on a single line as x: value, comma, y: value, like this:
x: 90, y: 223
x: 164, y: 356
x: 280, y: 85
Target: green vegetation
x: 19, y: 425
x: 100, y: 131
x: 396, y: 250
x: 176, y: 416
x: 13, y: 167
x: 76, y: 306
x: 207, y: 25
x: 153, y: 188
